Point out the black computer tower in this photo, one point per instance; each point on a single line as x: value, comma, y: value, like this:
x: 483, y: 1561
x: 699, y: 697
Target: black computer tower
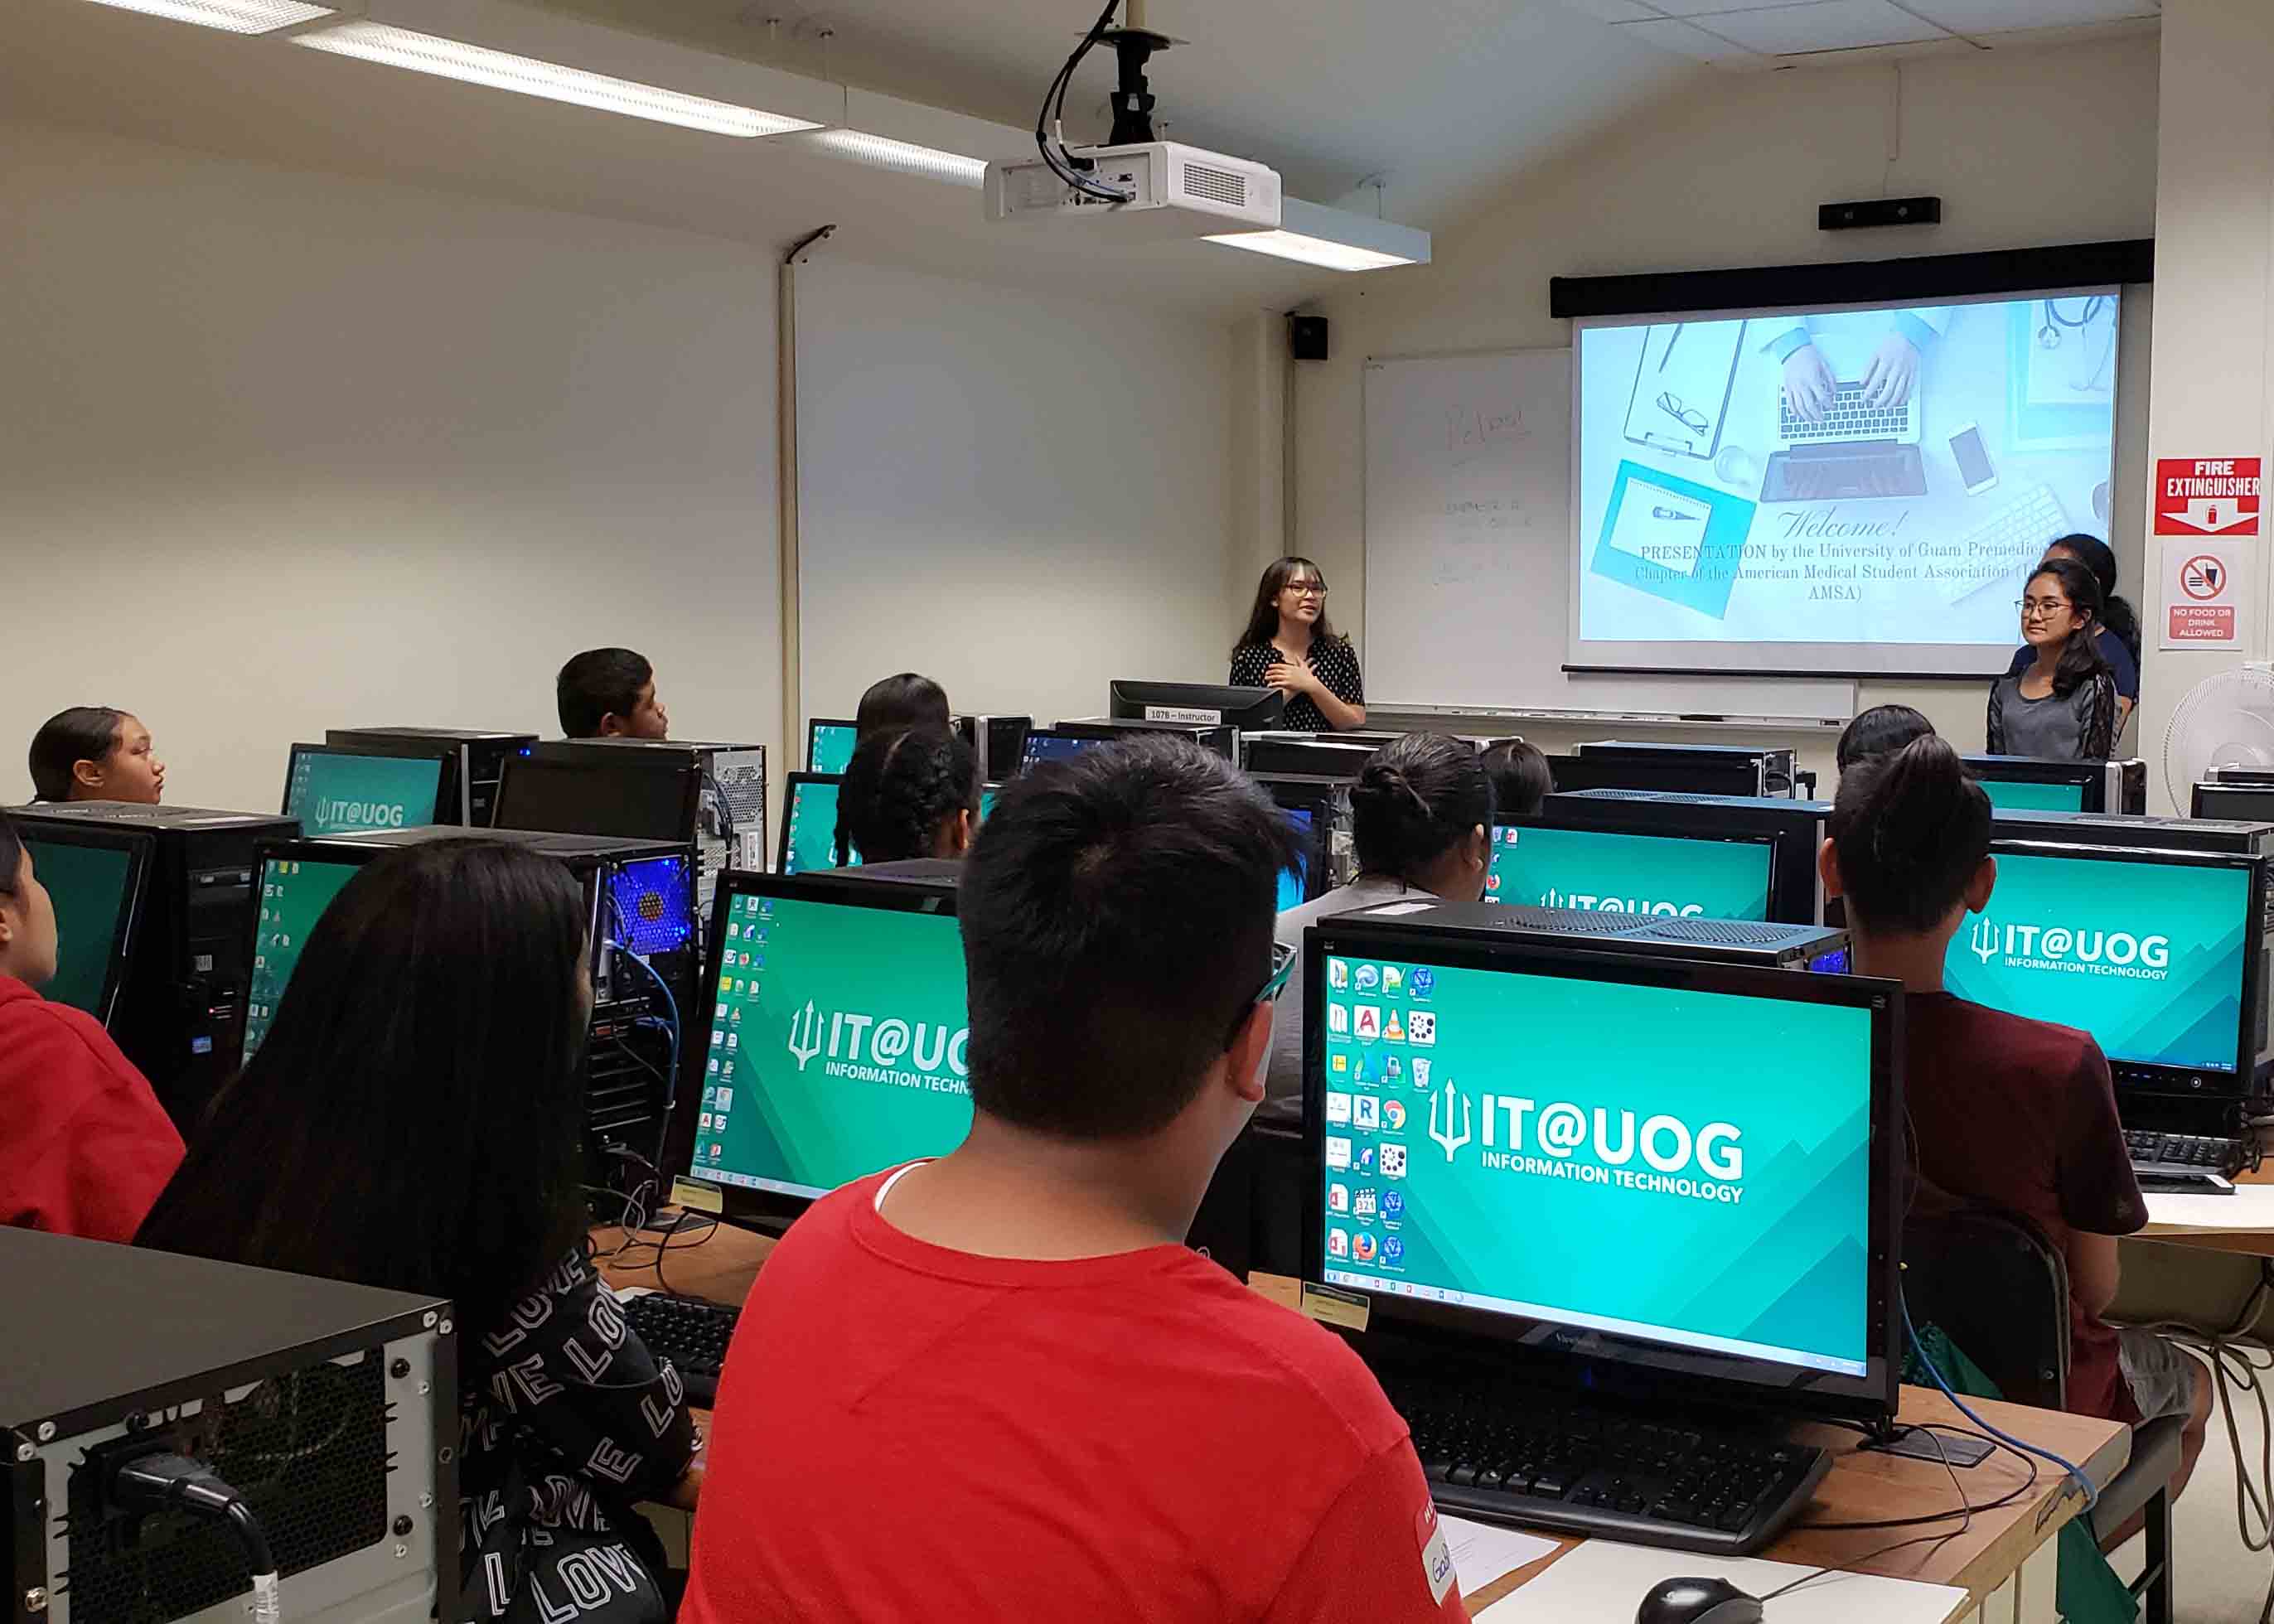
x: 999, y: 741
x: 628, y: 1109
x: 730, y: 817
x: 2171, y: 834
x: 180, y: 1015
x: 1219, y: 740
x: 333, y: 1408
x: 482, y: 756
x: 1697, y: 768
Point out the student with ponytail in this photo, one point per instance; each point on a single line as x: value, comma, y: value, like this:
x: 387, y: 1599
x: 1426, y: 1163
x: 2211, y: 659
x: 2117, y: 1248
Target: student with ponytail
x: 1421, y: 818
x: 2063, y: 706
x: 914, y: 793
x: 2008, y: 1113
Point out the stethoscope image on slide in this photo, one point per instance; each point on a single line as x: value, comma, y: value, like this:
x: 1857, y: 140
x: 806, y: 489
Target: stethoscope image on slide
x: 2054, y: 331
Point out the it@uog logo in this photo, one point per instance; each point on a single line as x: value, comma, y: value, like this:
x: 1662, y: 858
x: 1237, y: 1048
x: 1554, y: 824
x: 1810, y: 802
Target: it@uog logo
x: 1561, y: 1140
x: 2071, y: 950
x: 866, y: 1046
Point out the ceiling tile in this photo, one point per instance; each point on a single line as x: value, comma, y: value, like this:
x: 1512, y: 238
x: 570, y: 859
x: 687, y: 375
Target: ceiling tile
x: 1824, y: 25
x: 1618, y: 11
x: 1715, y: 8
x: 2004, y: 16
x: 1689, y: 41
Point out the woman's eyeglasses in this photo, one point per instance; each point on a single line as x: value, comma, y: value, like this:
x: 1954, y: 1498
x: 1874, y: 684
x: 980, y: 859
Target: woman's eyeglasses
x: 1306, y: 589
x: 2040, y: 608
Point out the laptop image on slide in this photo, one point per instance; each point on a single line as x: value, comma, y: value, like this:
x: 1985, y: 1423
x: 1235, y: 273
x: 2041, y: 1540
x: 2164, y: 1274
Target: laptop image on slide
x: 1857, y: 451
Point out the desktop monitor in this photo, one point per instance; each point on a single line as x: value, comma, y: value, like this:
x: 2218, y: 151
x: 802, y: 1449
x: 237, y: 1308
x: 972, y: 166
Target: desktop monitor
x: 2251, y: 803
x: 2028, y: 784
x: 93, y: 876
x: 294, y: 891
x: 1048, y: 744
x: 636, y: 800
x: 1310, y: 805
x: 1700, y: 1214
x: 1249, y: 710
x: 1220, y: 739
x: 480, y: 756
x: 2160, y: 955
x: 1690, y: 875
x: 833, y: 1035
x: 1793, y: 829
x: 829, y: 744
x: 338, y: 790
x: 808, y: 834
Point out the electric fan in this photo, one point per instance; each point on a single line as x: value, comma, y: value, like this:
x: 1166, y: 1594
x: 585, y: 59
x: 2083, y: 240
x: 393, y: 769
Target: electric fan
x: 2224, y: 721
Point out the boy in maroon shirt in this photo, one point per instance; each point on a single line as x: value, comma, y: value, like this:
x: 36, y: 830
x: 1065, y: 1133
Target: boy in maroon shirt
x: 2009, y: 1113
x: 996, y: 1385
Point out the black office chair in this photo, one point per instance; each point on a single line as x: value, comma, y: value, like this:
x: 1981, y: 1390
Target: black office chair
x: 1999, y: 1291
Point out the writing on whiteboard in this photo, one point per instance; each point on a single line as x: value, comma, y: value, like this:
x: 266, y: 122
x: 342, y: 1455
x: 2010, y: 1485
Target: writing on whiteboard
x: 1473, y: 430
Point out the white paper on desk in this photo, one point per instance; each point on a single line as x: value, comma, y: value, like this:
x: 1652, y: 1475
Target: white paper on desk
x: 1603, y: 1582
x: 1482, y: 1552
x: 2251, y: 1207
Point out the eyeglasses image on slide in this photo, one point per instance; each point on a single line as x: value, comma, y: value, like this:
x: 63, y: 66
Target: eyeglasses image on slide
x: 1671, y: 404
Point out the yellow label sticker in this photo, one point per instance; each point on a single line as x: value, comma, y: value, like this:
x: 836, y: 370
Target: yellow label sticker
x: 1328, y: 1306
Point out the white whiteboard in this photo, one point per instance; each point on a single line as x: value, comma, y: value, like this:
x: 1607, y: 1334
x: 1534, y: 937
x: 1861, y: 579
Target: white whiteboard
x: 1468, y: 550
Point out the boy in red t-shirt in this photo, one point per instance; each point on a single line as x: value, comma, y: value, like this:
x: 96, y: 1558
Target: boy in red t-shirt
x: 996, y: 1385
x: 2005, y: 1112
x: 85, y: 1146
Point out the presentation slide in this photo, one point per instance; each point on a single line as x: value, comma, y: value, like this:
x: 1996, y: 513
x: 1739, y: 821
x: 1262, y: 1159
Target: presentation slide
x: 837, y: 1046
x: 2146, y: 957
x: 1840, y: 490
x: 1721, y: 1206
x: 1597, y: 871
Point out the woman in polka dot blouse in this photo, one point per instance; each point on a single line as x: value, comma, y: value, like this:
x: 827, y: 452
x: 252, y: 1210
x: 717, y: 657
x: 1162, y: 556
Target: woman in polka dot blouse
x: 1288, y: 645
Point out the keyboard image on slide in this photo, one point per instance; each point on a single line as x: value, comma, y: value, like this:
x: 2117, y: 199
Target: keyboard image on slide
x: 1846, y: 418
x: 2014, y: 539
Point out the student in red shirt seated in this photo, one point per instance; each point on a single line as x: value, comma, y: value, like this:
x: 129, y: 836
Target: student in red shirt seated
x: 996, y: 1385
x: 85, y: 1146
x: 2008, y: 1113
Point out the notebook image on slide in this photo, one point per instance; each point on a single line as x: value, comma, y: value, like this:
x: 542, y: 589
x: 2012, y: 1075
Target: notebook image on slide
x: 1681, y: 386
x: 1673, y: 538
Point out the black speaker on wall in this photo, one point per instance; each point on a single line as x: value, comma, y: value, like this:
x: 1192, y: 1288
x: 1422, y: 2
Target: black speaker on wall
x: 1306, y: 337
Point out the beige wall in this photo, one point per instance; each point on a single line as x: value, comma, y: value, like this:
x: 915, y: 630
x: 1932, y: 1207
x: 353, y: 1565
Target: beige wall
x: 2024, y: 147
x: 282, y: 452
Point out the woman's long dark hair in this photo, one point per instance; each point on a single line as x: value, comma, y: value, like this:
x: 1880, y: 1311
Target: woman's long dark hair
x: 899, y: 789
x: 2081, y: 659
x: 1263, y: 620
x: 1415, y: 798
x: 2099, y: 557
x: 1909, y: 831
x: 414, y: 1118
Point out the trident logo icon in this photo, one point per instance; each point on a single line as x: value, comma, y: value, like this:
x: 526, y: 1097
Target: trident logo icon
x: 1445, y: 1136
x: 805, y: 1034
x: 1984, y: 940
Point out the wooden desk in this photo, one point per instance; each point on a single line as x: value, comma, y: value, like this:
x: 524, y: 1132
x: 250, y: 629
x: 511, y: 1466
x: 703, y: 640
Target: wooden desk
x: 2004, y: 1562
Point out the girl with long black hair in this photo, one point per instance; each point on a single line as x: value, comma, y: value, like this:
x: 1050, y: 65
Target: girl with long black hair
x: 2062, y: 706
x: 414, y: 1120
x: 1291, y: 645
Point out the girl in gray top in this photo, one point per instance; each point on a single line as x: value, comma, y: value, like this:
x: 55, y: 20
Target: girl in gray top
x: 1422, y: 819
x: 2062, y: 705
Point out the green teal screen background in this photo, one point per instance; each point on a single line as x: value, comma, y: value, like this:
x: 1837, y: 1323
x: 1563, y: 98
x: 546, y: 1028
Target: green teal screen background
x: 813, y: 829
x: 1756, y: 1234
x: 2069, y: 940
x: 1605, y: 872
x: 88, y: 884
x: 836, y: 1046
x: 2033, y: 797
x: 293, y: 897
x: 832, y: 747
x: 342, y: 794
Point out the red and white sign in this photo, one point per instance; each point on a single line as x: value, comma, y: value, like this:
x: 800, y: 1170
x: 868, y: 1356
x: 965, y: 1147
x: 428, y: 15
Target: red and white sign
x: 2206, y: 496
x: 2199, y: 594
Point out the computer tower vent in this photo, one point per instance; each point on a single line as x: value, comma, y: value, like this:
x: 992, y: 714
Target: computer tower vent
x: 1713, y: 932
x: 308, y: 1449
x: 1570, y: 922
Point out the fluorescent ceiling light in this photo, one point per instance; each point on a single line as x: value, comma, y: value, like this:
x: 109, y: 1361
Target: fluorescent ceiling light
x: 235, y: 16
x: 477, y: 65
x: 881, y: 151
x: 1334, y: 238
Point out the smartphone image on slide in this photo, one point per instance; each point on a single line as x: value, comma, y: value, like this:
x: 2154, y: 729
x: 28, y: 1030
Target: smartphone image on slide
x: 1973, y: 458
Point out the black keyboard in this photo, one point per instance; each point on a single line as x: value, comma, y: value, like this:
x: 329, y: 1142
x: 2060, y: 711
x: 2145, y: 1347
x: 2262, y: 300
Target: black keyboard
x: 689, y: 1331
x: 1645, y: 1481
x: 2185, y: 1163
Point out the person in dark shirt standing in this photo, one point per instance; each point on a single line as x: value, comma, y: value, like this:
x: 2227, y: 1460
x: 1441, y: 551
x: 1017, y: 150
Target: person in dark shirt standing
x: 1291, y: 645
x: 2013, y: 1114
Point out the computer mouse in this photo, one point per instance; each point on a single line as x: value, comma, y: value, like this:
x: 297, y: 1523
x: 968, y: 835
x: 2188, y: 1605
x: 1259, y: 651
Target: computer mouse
x: 1697, y: 1601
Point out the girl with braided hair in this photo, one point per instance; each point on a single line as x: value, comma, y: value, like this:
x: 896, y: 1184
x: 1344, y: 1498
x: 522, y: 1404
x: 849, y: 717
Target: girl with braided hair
x: 909, y: 792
